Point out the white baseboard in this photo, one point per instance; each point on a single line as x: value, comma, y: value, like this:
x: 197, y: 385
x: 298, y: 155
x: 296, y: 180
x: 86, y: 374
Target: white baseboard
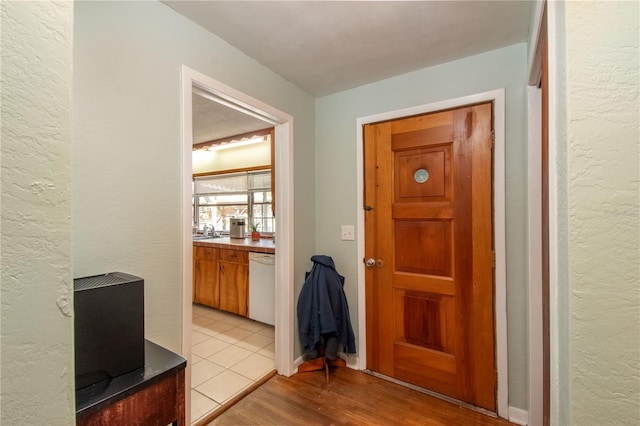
x: 518, y: 416
x: 297, y: 362
x: 352, y: 360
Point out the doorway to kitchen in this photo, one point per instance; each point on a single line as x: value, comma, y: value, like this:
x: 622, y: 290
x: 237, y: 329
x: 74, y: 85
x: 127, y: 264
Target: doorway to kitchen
x: 282, y: 334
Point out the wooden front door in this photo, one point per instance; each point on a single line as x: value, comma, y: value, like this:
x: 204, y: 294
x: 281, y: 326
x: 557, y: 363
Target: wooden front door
x: 429, y: 247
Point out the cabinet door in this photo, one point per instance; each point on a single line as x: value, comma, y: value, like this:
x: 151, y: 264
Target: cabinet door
x: 233, y: 287
x: 206, y: 282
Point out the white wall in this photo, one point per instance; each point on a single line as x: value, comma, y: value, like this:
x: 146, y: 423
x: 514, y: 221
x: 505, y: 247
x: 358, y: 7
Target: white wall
x: 603, y: 173
x: 254, y: 155
x: 37, y: 286
x: 127, y: 149
x: 336, y: 174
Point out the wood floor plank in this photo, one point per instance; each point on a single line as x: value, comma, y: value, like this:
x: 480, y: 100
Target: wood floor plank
x: 350, y: 398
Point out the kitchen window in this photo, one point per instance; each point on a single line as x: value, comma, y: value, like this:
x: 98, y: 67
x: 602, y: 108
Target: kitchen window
x: 247, y: 195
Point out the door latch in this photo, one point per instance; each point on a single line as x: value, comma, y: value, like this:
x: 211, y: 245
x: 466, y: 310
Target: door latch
x: 370, y: 263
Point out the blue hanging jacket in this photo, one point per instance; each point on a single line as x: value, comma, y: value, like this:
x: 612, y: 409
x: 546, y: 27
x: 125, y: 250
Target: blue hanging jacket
x: 322, y: 307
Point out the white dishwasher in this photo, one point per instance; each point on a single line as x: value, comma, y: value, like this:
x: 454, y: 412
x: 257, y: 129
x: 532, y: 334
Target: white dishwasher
x: 262, y: 287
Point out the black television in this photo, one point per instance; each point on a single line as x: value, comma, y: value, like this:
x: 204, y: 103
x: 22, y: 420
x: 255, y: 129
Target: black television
x: 109, y: 326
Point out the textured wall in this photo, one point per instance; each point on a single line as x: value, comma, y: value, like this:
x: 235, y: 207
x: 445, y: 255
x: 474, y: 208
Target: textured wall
x: 604, y: 212
x: 127, y: 191
x: 37, y: 327
x: 336, y: 172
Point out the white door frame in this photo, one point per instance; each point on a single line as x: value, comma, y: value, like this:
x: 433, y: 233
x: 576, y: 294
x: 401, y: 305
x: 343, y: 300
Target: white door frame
x: 284, y: 207
x: 498, y: 99
x: 534, y: 236
x: 534, y: 217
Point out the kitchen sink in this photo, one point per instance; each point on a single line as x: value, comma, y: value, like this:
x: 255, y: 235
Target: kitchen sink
x: 203, y: 237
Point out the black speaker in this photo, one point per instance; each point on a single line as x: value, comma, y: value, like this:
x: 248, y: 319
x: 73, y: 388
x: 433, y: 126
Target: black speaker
x: 109, y: 326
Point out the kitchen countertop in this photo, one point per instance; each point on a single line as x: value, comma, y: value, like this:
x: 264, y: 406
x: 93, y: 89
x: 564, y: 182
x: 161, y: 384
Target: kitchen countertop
x: 264, y: 245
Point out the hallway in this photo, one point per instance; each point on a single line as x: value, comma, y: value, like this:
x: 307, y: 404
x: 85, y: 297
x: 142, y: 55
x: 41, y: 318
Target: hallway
x: 351, y: 397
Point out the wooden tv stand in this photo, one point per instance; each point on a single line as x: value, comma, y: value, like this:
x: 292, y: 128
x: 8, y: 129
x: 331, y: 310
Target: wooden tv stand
x: 153, y: 395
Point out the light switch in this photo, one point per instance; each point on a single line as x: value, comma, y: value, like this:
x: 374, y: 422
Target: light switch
x: 348, y: 233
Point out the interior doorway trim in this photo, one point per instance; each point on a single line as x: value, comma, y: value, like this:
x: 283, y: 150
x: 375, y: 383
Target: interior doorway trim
x: 534, y: 232
x: 498, y: 98
x: 284, y: 206
x: 534, y: 219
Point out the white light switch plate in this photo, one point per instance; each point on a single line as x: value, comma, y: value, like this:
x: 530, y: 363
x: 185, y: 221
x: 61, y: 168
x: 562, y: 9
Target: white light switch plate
x: 348, y: 233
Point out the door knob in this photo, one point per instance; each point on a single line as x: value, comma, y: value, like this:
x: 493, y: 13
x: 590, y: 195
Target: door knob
x: 370, y: 263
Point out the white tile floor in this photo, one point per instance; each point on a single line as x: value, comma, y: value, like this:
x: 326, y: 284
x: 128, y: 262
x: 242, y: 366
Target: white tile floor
x: 229, y: 353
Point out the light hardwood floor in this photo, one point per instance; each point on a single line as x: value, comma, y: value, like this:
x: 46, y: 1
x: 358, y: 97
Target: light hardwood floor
x: 350, y: 398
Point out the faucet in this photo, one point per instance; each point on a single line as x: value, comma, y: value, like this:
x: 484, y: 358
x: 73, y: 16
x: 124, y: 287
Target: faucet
x: 205, y: 232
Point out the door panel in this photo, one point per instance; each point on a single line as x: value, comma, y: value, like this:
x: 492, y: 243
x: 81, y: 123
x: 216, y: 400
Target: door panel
x: 430, y: 297
x: 413, y: 238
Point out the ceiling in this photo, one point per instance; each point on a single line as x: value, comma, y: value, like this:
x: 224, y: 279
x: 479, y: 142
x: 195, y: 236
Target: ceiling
x: 324, y: 47
x: 212, y: 121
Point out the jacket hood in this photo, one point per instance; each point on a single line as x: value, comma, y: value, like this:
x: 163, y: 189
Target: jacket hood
x: 323, y: 260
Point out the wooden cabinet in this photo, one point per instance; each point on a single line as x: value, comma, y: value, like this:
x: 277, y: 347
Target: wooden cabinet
x: 233, y: 287
x: 221, y: 278
x: 233, y: 281
x: 205, y: 276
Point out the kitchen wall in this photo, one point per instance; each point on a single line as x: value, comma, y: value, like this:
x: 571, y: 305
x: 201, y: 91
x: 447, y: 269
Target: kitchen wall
x: 37, y: 299
x: 336, y: 172
x: 254, y: 155
x: 127, y: 149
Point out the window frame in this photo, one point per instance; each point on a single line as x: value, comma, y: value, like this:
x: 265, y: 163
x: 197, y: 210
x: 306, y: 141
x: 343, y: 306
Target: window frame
x: 250, y: 194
